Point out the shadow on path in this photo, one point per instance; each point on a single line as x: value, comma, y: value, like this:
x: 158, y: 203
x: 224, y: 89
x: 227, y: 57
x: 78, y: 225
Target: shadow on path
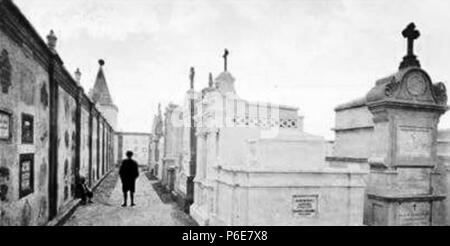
x: 166, y: 198
x: 104, y: 190
x: 150, y: 210
x: 163, y: 195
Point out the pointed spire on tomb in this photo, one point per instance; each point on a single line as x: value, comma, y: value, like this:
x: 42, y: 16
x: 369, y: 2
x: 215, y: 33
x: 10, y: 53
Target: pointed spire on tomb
x: 100, y: 93
x: 210, y: 81
x: 210, y: 86
x: 192, y: 77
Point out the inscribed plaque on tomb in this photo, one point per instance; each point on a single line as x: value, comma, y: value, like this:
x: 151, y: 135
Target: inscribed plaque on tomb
x: 414, y: 141
x: 305, y: 205
x: 5, y: 125
x: 27, y: 129
x: 26, y: 175
x: 414, y: 214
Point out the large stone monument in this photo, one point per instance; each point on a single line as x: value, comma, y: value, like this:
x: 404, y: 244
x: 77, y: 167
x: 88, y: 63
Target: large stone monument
x: 256, y: 166
x: 406, y: 181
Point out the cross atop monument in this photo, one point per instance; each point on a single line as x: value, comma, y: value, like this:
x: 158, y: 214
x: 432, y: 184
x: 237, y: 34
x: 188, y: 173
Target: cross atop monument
x: 411, y: 34
x: 225, y: 58
x: 191, y: 77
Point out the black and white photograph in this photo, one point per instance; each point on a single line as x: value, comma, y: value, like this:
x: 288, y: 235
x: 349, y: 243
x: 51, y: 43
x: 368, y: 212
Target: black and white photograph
x: 225, y: 113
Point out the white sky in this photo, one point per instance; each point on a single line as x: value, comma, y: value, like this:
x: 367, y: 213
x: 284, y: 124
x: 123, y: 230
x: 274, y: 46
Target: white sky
x: 310, y: 54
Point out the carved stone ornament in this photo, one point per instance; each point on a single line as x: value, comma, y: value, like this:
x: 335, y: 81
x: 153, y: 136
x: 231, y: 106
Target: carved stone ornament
x: 440, y: 93
x: 391, y: 87
x: 5, y: 71
x: 416, y: 84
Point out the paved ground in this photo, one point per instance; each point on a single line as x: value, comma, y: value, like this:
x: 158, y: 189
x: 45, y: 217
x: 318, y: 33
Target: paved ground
x: 150, y: 209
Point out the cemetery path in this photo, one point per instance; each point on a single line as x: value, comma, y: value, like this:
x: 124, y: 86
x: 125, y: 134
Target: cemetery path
x: 150, y: 210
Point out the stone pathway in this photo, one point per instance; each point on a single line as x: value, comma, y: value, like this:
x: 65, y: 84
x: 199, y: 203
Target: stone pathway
x: 150, y: 210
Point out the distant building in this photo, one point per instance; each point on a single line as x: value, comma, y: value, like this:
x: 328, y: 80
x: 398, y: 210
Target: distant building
x: 138, y: 143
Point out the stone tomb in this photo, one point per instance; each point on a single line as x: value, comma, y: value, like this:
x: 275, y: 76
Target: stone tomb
x: 256, y: 167
x: 393, y: 129
x: 405, y: 181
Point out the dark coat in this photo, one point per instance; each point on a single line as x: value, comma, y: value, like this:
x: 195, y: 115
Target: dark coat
x: 129, y: 171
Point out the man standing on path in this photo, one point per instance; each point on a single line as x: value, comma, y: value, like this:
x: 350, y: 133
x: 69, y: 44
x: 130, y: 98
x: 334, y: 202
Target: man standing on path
x: 128, y: 174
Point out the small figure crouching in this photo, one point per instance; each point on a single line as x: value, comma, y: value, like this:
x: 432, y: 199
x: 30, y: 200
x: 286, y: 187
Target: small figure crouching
x: 85, y: 192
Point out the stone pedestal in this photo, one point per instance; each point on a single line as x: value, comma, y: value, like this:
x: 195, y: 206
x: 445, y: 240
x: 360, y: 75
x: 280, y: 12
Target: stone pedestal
x: 167, y: 172
x: 404, y: 211
x: 405, y: 181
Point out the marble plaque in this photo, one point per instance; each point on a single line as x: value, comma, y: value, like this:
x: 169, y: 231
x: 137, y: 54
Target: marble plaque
x: 414, y: 214
x: 305, y: 205
x: 27, y: 129
x: 5, y: 125
x: 414, y: 141
x: 26, y: 175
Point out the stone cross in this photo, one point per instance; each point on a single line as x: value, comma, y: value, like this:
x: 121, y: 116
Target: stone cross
x: 191, y: 77
x: 225, y: 58
x: 411, y: 34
